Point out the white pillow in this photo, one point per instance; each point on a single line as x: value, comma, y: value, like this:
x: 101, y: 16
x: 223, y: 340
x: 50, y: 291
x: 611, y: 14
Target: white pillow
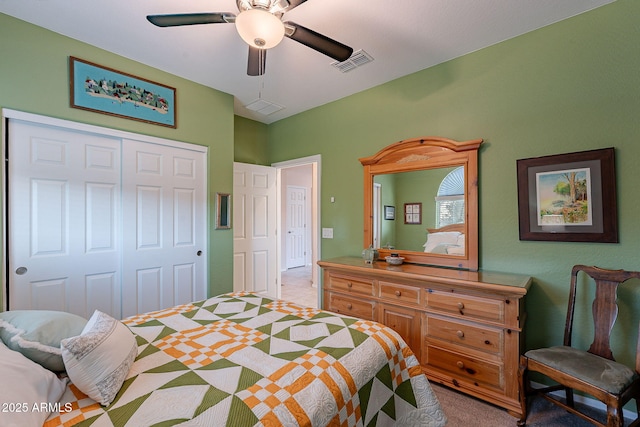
x: 441, y: 248
x: 444, y: 237
x: 99, y: 359
x: 29, y: 391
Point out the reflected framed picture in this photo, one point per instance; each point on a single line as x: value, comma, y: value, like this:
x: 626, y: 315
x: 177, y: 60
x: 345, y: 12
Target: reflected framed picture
x: 568, y: 197
x: 389, y: 212
x: 104, y: 90
x: 413, y: 213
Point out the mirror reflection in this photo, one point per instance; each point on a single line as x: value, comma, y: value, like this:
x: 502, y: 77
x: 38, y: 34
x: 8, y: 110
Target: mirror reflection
x: 422, y: 211
x: 415, y: 185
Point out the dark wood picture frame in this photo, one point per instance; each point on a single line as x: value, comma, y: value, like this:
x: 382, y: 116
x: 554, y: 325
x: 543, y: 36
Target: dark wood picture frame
x: 588, y: 214
x: 413, y: 213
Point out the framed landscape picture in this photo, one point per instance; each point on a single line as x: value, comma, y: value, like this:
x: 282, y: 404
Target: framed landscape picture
x: 568, y: 197
x: 104, y: 90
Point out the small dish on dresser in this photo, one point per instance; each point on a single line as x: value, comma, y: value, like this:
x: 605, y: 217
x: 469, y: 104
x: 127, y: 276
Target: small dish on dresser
x: 394, y: 260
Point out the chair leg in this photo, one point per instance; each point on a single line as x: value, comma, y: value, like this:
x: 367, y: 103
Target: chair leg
x: 523, y: 383
x: 614, y: 416
x: 569, y: 395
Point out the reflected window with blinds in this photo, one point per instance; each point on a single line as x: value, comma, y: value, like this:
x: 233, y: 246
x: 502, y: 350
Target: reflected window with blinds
x: 450, y: 199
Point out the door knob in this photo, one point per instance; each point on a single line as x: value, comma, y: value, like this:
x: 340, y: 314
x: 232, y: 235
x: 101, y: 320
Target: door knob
x: 199, y: 253
x: 21, y: 270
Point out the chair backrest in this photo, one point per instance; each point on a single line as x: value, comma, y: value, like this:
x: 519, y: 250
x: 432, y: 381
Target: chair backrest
x: 604, y: 307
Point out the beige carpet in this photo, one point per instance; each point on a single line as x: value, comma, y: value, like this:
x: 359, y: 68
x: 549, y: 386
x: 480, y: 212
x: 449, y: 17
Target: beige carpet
x: 462, y: 410
x: 296, y: 287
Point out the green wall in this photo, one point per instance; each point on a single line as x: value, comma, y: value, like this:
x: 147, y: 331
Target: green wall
x: 34, y: 70
x: 250, y: 142
x: 571, y: 86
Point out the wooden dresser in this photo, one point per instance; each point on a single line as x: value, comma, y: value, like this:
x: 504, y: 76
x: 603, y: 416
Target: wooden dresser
x: 465, y: 327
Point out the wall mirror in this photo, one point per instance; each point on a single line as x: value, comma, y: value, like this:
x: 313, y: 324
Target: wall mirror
x: 431, y: 185
x: 223, y: 211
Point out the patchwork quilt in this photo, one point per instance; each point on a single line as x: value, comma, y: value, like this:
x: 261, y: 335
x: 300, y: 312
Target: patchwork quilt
x: 242, y: 359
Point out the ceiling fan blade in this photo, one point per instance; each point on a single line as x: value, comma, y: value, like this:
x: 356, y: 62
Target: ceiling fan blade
x: 321, y: 43
x: 295, y: 3
x: 191, y: 19
x: 257, y: 61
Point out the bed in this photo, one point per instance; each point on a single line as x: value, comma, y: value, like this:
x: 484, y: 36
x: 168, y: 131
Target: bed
x: 449, y: 240
x: 241, y: 359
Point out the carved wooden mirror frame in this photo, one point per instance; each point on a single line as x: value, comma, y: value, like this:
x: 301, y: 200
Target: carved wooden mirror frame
x: 421, y: 154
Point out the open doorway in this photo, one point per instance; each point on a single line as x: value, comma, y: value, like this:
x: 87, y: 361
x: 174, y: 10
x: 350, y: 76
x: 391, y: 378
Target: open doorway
x: 299, y: 211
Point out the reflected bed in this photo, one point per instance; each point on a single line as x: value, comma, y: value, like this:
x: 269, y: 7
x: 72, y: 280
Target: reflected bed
x: 449, y: 240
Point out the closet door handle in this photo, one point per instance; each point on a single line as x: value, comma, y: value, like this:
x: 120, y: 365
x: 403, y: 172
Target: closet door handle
x: 21, y: 270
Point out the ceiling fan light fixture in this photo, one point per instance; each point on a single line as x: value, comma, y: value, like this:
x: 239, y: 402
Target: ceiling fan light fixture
x: 260, y: 28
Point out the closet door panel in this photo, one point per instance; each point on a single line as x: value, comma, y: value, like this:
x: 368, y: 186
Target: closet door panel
x: 164, y: 226
x: 63, y: 219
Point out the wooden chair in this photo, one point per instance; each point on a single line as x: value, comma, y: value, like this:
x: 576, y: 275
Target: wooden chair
x: 594, y: 371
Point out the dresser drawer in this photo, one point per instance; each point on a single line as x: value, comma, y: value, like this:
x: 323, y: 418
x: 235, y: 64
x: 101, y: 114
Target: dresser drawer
x: 395, y: 292
x: 351, y: 306
x: 488, y: 340
x: 465, y: 305
x: 357, y: 285
x: 475, y: 370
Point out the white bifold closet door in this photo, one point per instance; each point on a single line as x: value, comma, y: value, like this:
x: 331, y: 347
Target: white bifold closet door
x: 102, y: 222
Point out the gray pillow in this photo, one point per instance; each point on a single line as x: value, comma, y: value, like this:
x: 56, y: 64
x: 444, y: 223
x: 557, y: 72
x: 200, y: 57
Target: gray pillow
x: 37, y: 334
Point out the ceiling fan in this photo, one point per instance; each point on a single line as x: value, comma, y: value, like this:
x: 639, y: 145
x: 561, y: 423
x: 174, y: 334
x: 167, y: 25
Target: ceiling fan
x: 260, y: 25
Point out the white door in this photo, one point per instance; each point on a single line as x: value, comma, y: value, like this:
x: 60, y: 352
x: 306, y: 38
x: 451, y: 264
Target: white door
x: 63, y: 208
x: 254, y: 229
x: 98, y: 222
x: 296, y: 226
x: 377, y: 214
x: 164, y: 221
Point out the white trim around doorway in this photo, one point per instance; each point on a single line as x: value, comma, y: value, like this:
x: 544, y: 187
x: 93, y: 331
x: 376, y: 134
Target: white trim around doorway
x: 316, y: 162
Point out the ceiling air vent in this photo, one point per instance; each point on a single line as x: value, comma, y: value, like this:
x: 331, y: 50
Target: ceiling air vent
x: 263, y: 107
x: 358, y: 59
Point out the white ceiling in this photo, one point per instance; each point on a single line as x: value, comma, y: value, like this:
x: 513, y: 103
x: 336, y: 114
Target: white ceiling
x: 403, y: 36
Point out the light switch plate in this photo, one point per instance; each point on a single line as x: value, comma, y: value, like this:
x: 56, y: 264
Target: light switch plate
x: 327, y: 233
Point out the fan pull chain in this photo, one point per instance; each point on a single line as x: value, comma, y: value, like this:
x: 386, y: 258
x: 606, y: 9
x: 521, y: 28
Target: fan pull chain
x: 262, y: 70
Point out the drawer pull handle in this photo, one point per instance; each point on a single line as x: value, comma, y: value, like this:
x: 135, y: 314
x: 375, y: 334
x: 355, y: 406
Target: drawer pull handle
x: 398, y: 293
x: 349, y: 284
x: 460, y: 334
x: 460, y: 305
x: 460, y: 365
x: 349, y: 306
